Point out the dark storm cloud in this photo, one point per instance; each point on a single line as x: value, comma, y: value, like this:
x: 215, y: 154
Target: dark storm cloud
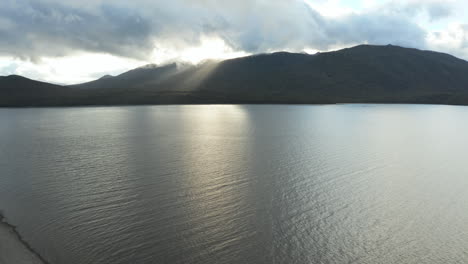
x: 33, y: 29
x: 37, y: 29
x: 303, y: 27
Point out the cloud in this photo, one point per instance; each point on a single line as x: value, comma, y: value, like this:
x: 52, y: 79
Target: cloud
x: 377, y: 29
x: 454, y: 40
x: 56, y: 40
x: 433, y: 9
x: 70, y: 69
x: 33, y: 29
x: 50, y: 29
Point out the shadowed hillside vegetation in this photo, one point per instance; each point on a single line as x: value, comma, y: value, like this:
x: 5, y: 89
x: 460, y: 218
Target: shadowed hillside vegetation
x: 363, y: 74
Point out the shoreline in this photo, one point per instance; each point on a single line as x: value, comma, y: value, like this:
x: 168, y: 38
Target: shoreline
x: 58, y: 106
x: 13, y: 248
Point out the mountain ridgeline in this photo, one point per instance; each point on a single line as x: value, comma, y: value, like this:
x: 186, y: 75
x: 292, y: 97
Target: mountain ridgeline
x: 363, y: 74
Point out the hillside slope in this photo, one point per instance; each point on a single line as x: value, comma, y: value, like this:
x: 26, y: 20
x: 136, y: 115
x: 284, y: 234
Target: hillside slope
x: 363, y: 74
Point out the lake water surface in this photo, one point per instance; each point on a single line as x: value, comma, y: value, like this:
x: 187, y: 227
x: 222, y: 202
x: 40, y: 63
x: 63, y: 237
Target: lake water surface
x: 238, y: 183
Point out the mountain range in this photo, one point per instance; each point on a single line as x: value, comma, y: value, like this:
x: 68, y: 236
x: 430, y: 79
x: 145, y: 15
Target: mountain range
x: 362, y: 74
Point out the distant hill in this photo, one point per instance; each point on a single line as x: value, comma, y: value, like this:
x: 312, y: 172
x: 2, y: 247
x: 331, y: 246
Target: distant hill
x: 363, y: 74
x: 20, y: 91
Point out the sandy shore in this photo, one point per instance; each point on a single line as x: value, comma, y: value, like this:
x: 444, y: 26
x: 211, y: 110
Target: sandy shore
x: 13, y: 250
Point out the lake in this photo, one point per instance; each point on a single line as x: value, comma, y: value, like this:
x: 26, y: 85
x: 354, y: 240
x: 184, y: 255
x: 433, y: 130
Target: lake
x: 238, y: 183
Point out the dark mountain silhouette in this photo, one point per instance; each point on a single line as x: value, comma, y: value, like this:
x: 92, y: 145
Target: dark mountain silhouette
x: 107, y: 76
x: 363, y: 74
x: 19, y: 91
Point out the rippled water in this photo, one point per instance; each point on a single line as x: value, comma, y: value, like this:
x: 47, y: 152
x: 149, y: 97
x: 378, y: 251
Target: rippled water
x: 238, y: 184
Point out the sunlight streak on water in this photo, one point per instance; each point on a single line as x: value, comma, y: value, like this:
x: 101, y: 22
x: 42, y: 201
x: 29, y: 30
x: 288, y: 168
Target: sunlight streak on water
x: 238, y: 184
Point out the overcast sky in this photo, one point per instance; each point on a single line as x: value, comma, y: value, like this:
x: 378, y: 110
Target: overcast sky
x: 71, y: 41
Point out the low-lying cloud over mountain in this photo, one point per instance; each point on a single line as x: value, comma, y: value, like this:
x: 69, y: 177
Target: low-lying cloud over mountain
x: 363, y: 74
x: 34, y: 33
